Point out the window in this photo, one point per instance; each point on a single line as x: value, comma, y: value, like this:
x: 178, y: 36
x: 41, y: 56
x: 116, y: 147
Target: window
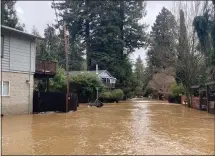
x: 4, y: 86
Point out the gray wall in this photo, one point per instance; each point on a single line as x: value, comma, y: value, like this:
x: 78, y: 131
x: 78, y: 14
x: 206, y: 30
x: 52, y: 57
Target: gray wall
x: 6, y: 59
x: 19, y: 54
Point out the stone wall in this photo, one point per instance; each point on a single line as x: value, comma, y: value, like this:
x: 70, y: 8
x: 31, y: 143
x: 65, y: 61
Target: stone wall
x: 20, y: 99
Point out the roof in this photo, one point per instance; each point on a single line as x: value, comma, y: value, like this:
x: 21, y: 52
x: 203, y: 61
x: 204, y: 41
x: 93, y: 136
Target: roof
x: 10, y: 29
x: 92, y: 72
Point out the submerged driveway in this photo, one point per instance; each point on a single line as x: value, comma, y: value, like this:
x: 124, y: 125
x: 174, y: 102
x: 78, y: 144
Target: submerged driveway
x: 127, y: 128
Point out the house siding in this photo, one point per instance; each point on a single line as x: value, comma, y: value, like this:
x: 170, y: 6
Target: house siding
x: 6, y: 53
x: 22, y: 55
x: 18, y: 67
x: 104, y: 75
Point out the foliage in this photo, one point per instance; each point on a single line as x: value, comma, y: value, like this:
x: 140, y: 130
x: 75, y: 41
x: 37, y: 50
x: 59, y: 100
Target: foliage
x: 109, y: 31
x: 161, y: 55
x: 58, y: 83
x: 52, y: 49
x: 148, y: 91
x: 8, y: 15
x: 106, y: 96
x: 139, y: 71
x: 138, y: 91
x: 190, y: 64
x: 162, y: 50
x: 85, y: 84
x: 204, y: 25
x: 177, y: 89
x: 111, y: 96
x: 117, y: 94
x: 203, y: 28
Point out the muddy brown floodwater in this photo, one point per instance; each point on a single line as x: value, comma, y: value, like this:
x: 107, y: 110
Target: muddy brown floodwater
x: 126, y: 128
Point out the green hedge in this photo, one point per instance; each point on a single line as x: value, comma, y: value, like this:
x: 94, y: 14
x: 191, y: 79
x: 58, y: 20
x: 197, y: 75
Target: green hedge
x: 117, y: 94
x: 85, y: 84
x: 111, y: 96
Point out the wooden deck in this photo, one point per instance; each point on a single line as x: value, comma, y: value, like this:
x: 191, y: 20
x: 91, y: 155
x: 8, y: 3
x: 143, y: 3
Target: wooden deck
x: 45, y: 69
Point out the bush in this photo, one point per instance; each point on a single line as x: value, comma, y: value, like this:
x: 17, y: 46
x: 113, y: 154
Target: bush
x: 111, y: 96
x: 58, y: 83
x: 85, y: 84
x: 177, y: 89
x: 117, y: 94
x: 130, y: 95
x: 106, y: 97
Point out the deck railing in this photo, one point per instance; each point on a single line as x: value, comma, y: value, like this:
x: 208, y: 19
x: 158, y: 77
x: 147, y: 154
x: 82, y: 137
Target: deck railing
x: 45, y: 67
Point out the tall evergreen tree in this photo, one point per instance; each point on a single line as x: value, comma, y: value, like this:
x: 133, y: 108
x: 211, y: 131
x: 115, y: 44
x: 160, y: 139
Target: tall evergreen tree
x: 74, y: 14
x: 203, y: 25
x: 110, y: 31
x: 139, y: 70
x: 162, y: 50
x: 190, y: 67
x: 205, y: 28
x: 8, y: 15
x: 183, y: 51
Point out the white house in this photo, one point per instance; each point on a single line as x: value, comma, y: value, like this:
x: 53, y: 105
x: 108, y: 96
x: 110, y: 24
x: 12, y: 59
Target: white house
x: 107, y: 79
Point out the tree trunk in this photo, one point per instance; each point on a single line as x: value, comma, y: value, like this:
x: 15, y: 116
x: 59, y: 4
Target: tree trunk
x: 122, y: 12
x: 87, y: 35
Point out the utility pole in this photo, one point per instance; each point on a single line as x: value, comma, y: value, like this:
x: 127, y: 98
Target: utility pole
x: 66, y: 34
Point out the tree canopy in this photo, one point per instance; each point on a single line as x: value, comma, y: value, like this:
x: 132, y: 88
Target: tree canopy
x: 8, y: 15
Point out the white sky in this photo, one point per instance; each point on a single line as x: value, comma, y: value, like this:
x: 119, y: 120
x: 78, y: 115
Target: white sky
x: 40, y: 13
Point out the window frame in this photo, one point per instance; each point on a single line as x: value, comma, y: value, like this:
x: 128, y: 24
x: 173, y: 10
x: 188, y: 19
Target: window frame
x: 1, y: 94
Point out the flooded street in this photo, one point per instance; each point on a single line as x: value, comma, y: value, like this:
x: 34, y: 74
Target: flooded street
x: 126, y: 128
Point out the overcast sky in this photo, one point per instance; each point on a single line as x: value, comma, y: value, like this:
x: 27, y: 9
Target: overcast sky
x: 40, y: 13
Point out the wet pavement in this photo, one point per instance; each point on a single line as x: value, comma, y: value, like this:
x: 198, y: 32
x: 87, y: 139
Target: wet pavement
x: 126, y: 128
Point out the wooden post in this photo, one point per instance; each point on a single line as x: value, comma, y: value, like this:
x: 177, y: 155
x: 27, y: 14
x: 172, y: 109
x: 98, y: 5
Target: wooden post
x: 207, y: 95
x: 67, y: 67
x: 191, y: 97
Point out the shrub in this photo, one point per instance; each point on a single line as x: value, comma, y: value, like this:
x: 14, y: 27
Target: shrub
x: 85, y: 84
x: 58, y: 83
x: 130, y: 95
x: 106, y: 97
x: 177, y: 89
x: 117, y: 94
x: 111, y: 96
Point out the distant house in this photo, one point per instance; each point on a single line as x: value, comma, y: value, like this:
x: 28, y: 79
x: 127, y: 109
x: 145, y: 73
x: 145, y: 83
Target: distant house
x: 107, y: 79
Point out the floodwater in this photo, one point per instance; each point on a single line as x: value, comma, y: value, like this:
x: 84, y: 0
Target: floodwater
x: 126, y: 128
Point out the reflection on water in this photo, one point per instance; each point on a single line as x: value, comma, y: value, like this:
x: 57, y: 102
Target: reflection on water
x: 127, y: 128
